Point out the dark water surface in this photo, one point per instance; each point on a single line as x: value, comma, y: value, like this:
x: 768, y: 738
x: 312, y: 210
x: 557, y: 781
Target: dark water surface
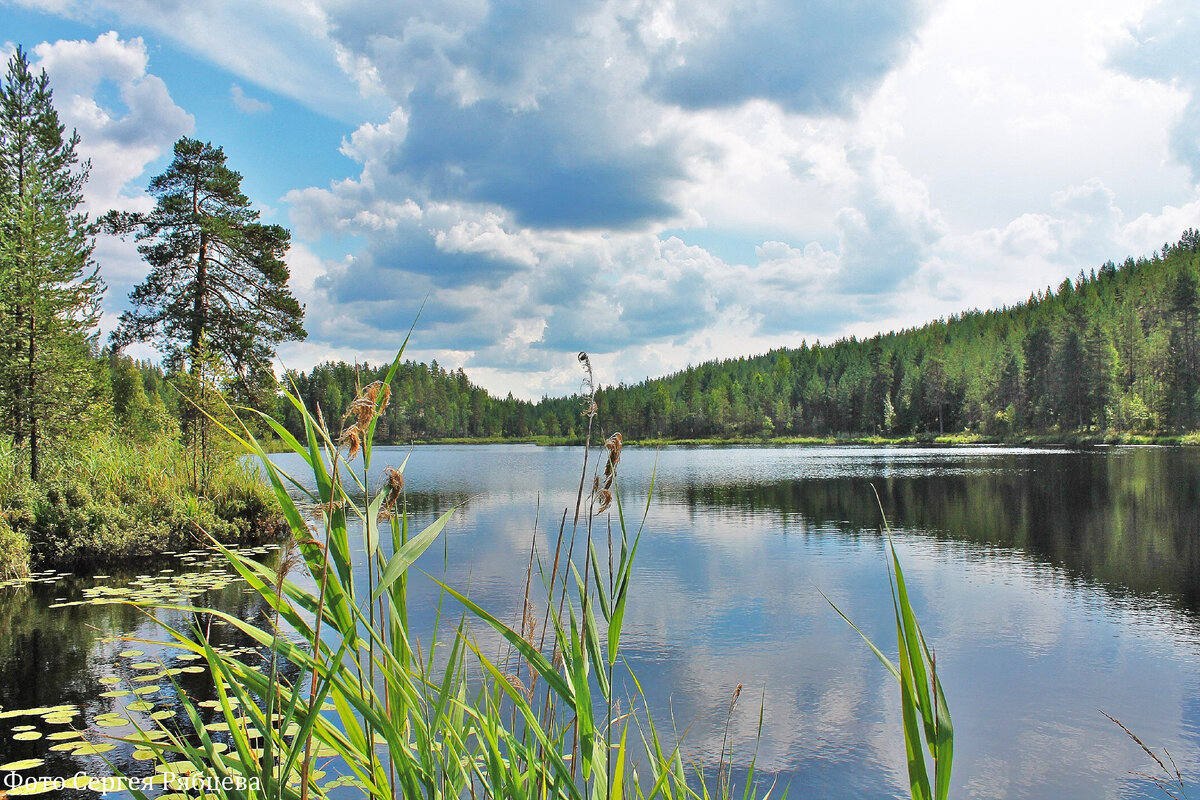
x: 1053, y: 585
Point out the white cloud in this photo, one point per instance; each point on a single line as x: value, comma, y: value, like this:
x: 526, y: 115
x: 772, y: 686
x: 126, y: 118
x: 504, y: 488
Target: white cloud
x: 120, y: 141
x: 277, y: 44
x: 246, y: 104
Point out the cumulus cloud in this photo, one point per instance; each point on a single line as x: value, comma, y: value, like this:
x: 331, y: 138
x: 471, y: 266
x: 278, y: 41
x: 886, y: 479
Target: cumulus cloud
x: 120, y: 138
x: 810, y: 58
x: 661, y: 183
x: 1161, y: 47
x: 277, y: 44
x: 246, y: 104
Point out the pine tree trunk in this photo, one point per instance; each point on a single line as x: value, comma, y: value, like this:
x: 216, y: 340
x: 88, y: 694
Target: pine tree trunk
x: 33, y: 428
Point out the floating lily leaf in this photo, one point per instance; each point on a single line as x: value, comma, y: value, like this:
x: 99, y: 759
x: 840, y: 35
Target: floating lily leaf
x: 19, y: 766
x: 110, y: 722
x: 28, y: 736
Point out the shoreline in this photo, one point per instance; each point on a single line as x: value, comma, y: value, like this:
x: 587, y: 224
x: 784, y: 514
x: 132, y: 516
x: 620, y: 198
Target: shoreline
x: 946, y: 440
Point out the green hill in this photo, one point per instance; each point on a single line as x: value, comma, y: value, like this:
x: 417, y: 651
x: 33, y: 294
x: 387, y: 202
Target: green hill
x: 1113, y: 351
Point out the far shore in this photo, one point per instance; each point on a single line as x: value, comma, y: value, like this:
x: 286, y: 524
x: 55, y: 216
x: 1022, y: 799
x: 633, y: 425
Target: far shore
x: 921, y: 439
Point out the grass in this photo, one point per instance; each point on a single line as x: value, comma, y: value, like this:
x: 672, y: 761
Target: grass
x: 108, y: 498
x: 350, y: 687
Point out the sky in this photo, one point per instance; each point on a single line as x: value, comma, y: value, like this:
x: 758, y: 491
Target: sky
x: 656, y: 182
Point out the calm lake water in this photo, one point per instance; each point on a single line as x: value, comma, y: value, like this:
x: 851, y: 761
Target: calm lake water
x: 1052, y: 584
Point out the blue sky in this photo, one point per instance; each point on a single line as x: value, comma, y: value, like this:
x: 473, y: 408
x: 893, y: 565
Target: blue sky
x: 658, y: 183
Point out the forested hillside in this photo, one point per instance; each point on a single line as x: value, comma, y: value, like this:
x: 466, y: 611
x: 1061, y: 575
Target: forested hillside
x: 1115, y: 350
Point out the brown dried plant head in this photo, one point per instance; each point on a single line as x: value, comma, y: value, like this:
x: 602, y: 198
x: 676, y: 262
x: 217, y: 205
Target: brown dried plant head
x: 370, y: 403
x: 588, y: 390
x: 604, y: 494
x: 395, y: 486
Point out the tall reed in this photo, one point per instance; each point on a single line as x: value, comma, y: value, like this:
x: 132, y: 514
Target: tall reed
x: 406, y: 717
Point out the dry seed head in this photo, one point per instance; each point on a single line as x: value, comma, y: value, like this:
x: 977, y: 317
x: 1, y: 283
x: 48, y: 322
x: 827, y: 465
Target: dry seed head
x: 614, y: 443
x: 395, y: 483
x: 351, y: 440
x: 369, y: 404
x: 529, y: 623
x: 516, y: 682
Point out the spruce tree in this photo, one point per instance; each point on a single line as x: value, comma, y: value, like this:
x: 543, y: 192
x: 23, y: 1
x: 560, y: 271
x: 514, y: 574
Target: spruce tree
x: 49, y: 287
x: 217, y: 282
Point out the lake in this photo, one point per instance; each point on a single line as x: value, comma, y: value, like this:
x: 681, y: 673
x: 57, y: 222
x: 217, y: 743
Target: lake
x: 1053, y: 585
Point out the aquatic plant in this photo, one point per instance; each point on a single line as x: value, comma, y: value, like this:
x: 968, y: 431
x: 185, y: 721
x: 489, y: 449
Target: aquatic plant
x: 928, y: 729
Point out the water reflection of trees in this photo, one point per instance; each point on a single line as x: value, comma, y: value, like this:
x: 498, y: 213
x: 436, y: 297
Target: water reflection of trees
x: 1129, y: 519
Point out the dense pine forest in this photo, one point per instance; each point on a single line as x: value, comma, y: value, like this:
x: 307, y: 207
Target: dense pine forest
x: 1113, y: 351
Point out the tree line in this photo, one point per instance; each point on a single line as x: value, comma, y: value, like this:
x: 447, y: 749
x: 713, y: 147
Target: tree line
x: 1114, y: 350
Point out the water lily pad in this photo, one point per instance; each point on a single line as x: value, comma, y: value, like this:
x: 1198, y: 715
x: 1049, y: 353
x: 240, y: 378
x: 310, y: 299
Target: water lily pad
x: 112, y: 722
x: 18, y: 766
x: 145, y: 665
x: 59, y: 736
x: 116, y: 693
x: 20, y: 728
x: 130, y: 653
x: 109, y: 680
x: 28, y: 736
x: 90, y: 749
x: 140, y: 705
x: 64, y: 747
x: 141, y: 690
x: 40, y: 786
x: 161, y: 715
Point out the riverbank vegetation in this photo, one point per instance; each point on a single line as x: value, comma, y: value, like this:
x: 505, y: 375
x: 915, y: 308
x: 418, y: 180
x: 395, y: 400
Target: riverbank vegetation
x: 1113, y: 355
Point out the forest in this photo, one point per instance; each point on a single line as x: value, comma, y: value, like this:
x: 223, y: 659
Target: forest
x: 1113, y: 351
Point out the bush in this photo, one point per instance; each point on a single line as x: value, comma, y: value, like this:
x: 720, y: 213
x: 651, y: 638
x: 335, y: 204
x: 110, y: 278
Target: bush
x: 112, y: 498
x: 14, y: 552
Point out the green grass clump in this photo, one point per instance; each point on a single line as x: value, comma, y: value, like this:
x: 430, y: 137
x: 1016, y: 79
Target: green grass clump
x: 109, y: 498
x: 14, y: 552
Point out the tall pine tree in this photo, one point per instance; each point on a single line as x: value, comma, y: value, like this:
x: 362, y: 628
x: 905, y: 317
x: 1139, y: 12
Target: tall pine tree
x: 49, y: 287
x: 217, y: 286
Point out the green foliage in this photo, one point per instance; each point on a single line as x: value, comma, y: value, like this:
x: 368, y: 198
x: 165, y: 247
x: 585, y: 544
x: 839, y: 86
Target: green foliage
x: 14, y: 552
x: 110, y: 498
x: 928, y: 730
x: 217, y: 280
x: 49, y: 286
